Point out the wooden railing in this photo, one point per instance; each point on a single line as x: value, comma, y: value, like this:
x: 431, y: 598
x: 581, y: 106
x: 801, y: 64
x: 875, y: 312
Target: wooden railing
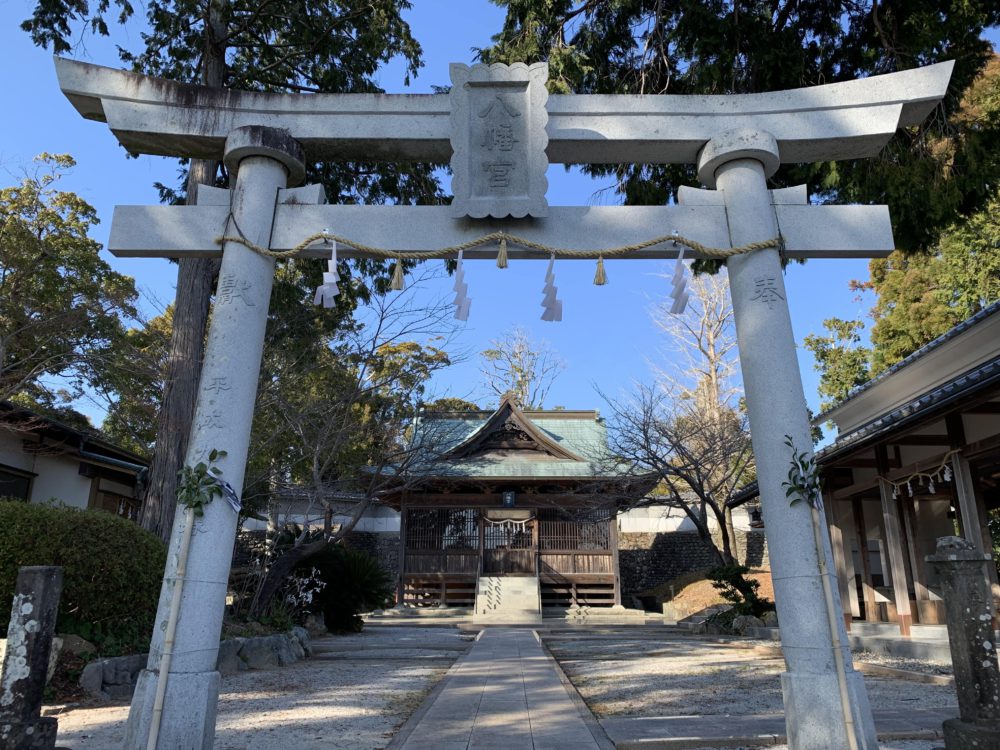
x: 568, y: 562
x: 448, y: 561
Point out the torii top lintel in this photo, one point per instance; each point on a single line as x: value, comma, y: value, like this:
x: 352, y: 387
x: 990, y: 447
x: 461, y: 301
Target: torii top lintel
x: 848, y: 120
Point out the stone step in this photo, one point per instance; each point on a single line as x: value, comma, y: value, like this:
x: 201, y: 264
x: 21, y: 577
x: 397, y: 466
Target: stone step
x: 508, y: 600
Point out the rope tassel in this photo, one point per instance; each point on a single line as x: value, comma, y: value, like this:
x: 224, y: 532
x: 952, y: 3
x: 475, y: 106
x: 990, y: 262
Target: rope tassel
x: 600, y: 278
x: 502, y: 254
x: 397, y: 284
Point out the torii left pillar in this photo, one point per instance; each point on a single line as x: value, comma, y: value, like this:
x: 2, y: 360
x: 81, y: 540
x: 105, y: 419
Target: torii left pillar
x: 264, y: 160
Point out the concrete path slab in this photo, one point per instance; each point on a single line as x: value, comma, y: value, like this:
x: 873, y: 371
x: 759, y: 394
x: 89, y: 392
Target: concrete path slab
x: 506, y: 693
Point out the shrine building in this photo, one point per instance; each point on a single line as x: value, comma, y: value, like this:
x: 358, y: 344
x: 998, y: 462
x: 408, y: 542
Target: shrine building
x: 517, y: 506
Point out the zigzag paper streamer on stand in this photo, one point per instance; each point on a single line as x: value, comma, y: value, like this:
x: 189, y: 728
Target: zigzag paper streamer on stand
x: 462, y: 301
x: 327, y: 292
x: 553, y: 305
x: 679, y: 293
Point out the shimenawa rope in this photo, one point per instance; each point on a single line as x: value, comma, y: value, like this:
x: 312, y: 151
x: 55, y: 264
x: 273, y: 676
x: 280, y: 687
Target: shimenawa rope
x: 502, y: 238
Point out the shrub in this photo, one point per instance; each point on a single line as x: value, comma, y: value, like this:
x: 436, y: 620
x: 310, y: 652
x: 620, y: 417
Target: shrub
x: 733, y: 585
x: 355, y: 583
x: 112, y: 570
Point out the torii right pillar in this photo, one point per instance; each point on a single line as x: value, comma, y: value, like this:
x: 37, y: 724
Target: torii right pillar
x: 737, y: 163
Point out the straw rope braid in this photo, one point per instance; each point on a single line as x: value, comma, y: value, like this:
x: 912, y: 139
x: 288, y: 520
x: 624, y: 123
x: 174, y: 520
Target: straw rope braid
x: 502, y: 238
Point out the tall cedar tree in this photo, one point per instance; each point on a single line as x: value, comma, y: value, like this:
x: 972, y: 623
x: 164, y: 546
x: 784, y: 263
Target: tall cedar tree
x: 939, y: 179
x: 280, y: 45
x: 711, y: 47
x: 919, y: 296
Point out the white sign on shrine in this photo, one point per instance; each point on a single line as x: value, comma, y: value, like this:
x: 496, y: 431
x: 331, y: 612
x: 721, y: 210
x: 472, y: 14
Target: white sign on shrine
x: 498, y: 140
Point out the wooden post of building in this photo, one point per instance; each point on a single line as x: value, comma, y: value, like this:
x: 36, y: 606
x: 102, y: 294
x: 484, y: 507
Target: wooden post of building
x: 894, y: 543
x: 401, y: 573
x: 867, y: 587
x: 920, y: 589
x: 482, y: 544
x: 614, y: 560
x: 971, y: 511
x: 894, y: 551
x: 839, y: 557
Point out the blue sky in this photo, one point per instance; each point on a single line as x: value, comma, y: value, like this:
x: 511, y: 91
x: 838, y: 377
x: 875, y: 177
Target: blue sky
x: 607, y: 338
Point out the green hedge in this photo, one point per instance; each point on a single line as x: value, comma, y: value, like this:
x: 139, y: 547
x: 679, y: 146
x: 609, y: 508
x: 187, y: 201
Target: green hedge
x: 112, y: 569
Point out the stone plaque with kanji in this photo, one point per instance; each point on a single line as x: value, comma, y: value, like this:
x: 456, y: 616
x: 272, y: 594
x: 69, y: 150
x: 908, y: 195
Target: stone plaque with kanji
x: 498, y: 140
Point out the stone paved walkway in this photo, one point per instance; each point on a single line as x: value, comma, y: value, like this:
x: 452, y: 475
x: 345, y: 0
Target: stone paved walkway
x: 504, y: 694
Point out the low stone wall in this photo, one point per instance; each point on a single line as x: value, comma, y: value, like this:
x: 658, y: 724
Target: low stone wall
x: 649, y: 559
x: 382, y: 546
x: 115, y: 678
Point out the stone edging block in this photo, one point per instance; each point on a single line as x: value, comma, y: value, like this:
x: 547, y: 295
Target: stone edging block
x: 115, y: 678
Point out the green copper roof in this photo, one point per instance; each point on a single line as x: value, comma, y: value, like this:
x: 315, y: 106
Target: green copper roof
x: 455, y: 439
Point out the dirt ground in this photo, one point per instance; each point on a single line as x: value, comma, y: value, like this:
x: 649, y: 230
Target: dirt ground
x: 687, y: 677
x: 353, y: 695
x: 692, y: 593
x: 677, y: 675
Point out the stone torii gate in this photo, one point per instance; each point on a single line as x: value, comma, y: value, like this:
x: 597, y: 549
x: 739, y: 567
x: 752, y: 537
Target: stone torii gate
x: 500, y: 129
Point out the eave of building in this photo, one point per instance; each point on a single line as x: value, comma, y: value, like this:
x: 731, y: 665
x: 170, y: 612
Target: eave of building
x: 82, y: 444
x: 963, y: 349
x: 925, y: 407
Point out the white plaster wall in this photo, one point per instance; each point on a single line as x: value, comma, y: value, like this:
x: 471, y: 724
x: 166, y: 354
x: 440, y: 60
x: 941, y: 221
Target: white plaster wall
x: 58, y: 477
x: 658, y: 520
x: 11, y: 453
x: 378, y: 519
x: 980, y: 426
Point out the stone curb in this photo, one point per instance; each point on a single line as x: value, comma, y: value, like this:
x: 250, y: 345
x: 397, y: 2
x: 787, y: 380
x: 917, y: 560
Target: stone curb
x: 115, y: 678
x: 591, y: 721
x: 750, y: 740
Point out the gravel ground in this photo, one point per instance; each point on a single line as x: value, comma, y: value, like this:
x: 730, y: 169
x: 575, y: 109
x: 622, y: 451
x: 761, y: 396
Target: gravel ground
x: 873, y: 657
x: 353, y: 695
x: 893, y: 745
x: 685, y: 677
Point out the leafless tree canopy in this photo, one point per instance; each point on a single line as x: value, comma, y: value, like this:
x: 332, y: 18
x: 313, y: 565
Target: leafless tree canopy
x: 688, y: 428
x: 516, y: 364
x: 335, y: 433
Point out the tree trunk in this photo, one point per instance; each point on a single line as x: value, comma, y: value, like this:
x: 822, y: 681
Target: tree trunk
x: 173, y: 428
x: 187, y: 342
x: 729, y: 533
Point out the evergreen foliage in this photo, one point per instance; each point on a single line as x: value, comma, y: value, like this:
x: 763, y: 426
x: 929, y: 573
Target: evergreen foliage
x: 709, y: 47
x: 733, y: 585
x: 355, y: 583
x: 61, y: 305
x: 112, y: 570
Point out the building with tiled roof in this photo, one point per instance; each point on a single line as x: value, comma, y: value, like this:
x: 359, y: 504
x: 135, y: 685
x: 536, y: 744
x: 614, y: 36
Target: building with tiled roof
x: 511, y: 494
x: 916, y: 457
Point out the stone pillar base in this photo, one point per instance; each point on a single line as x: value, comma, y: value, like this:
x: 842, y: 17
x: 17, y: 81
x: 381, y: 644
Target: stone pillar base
x: 962, y: 735
x: 198, y: 692
x: 814, y: 717
x: 36, y: 734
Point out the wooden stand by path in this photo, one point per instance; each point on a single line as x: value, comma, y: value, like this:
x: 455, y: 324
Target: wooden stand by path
x: 505, y: 693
